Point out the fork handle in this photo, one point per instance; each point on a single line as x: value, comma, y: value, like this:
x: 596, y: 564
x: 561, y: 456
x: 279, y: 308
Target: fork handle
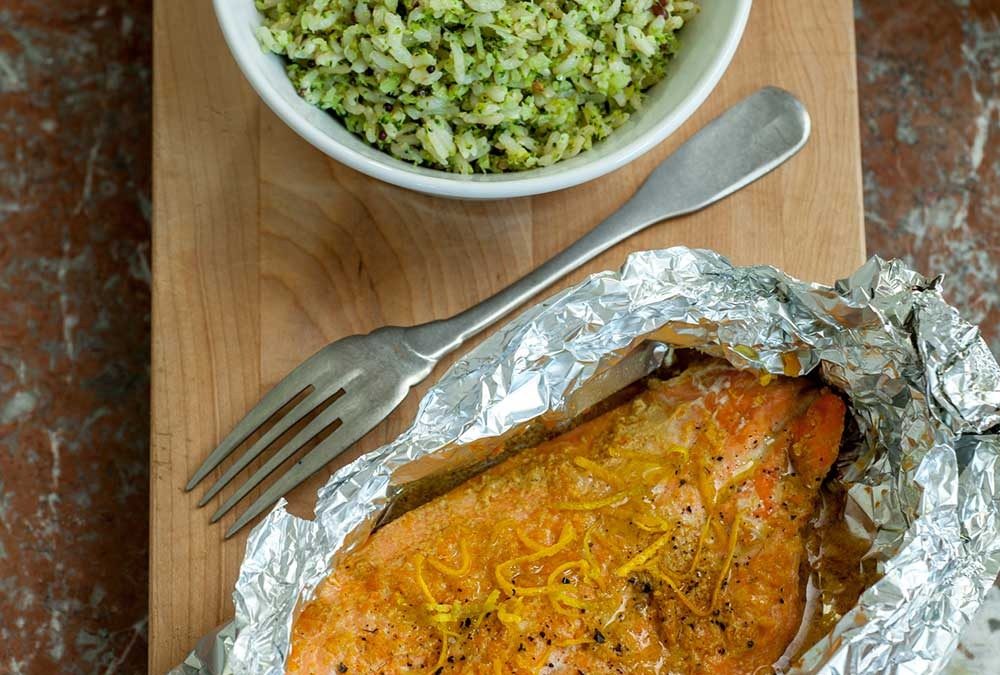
x: 744, y: 143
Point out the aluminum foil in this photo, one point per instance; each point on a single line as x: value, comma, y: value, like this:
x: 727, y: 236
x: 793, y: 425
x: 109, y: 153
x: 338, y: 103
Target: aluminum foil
x: 924, y: 473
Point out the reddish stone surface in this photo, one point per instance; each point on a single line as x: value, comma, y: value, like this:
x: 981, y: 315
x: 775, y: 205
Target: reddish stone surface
x: 74, y: 335
x: 74, y: 282
x: 929, y: 76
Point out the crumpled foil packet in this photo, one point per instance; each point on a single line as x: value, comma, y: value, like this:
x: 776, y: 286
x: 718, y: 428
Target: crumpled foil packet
x: 921, y: 384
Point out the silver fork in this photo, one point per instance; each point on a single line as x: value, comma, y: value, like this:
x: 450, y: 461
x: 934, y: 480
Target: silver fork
x: 369, y: 375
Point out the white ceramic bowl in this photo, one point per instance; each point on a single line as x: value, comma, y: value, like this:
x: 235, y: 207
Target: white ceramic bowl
x: 709, y: 42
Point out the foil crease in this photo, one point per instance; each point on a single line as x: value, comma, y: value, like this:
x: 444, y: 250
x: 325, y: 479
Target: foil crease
x: 924, y: 473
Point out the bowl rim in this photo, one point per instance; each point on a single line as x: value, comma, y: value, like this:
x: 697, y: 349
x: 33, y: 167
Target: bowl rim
x: 444, y: 185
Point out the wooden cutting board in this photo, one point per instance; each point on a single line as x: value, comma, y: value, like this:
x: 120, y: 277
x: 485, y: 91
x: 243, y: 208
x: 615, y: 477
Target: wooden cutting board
x: 264, y: 250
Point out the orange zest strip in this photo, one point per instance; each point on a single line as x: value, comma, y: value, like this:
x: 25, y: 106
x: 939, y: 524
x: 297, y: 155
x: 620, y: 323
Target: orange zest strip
x: 511, y: 614
x: 570, y: 600
x: 680, y: 594
x: 644, y: 556
x: 593, y: 569
x: 599, y: 471
x: 644, y: 457
x: 653, y: 472
x: 617, y: 499
x: 650, y: 522
x: 701, y: 544
x: 729, y: 559
x: 464, y: 566
x: 505, y: 524
x: 560, y: 609
x: 550, y: 584
x: 528, y: 541
x: 540, y: 664
x: 676, y: 449
x: 740, y: 476
x: 502, y: 571
x: 443, y: 656
x: 418, y: 563
x: 488, y: 606
x: 558, y: 572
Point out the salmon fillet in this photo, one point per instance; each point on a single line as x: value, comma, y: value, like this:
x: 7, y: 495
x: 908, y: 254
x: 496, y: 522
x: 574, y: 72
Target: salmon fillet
x: 665, y: 536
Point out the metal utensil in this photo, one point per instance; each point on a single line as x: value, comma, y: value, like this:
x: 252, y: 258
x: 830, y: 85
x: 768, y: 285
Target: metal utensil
x: 367, y: 376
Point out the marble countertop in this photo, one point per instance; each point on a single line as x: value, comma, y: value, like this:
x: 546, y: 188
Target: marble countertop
x: 75, y: 90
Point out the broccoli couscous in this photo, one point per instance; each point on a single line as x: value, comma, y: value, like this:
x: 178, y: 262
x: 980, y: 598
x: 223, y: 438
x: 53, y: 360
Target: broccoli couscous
x: 476, y: 86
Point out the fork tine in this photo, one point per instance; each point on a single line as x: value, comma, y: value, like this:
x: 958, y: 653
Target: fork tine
x: 342, y: 438
x: 286, y: 422
x: 321, y: 421
x: 283, y: 392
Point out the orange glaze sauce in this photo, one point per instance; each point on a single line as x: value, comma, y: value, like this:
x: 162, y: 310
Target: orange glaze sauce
x: 664, y: 536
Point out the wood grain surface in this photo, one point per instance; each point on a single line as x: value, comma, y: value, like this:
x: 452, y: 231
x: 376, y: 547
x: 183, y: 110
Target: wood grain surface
x: 264, y: 250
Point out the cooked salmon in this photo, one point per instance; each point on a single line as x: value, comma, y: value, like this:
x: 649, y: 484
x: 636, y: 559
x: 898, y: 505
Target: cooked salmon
x: 665, y: 536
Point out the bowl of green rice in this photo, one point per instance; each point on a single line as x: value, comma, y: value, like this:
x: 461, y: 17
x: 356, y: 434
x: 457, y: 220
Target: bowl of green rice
x: 483, y: 99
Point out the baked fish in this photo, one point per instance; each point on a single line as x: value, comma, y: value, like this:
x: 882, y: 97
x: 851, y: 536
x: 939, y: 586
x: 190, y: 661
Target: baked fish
x: 665, y: 536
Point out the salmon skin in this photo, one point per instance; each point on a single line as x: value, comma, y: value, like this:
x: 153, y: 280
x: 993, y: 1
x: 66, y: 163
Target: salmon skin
x: 665, y: 536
